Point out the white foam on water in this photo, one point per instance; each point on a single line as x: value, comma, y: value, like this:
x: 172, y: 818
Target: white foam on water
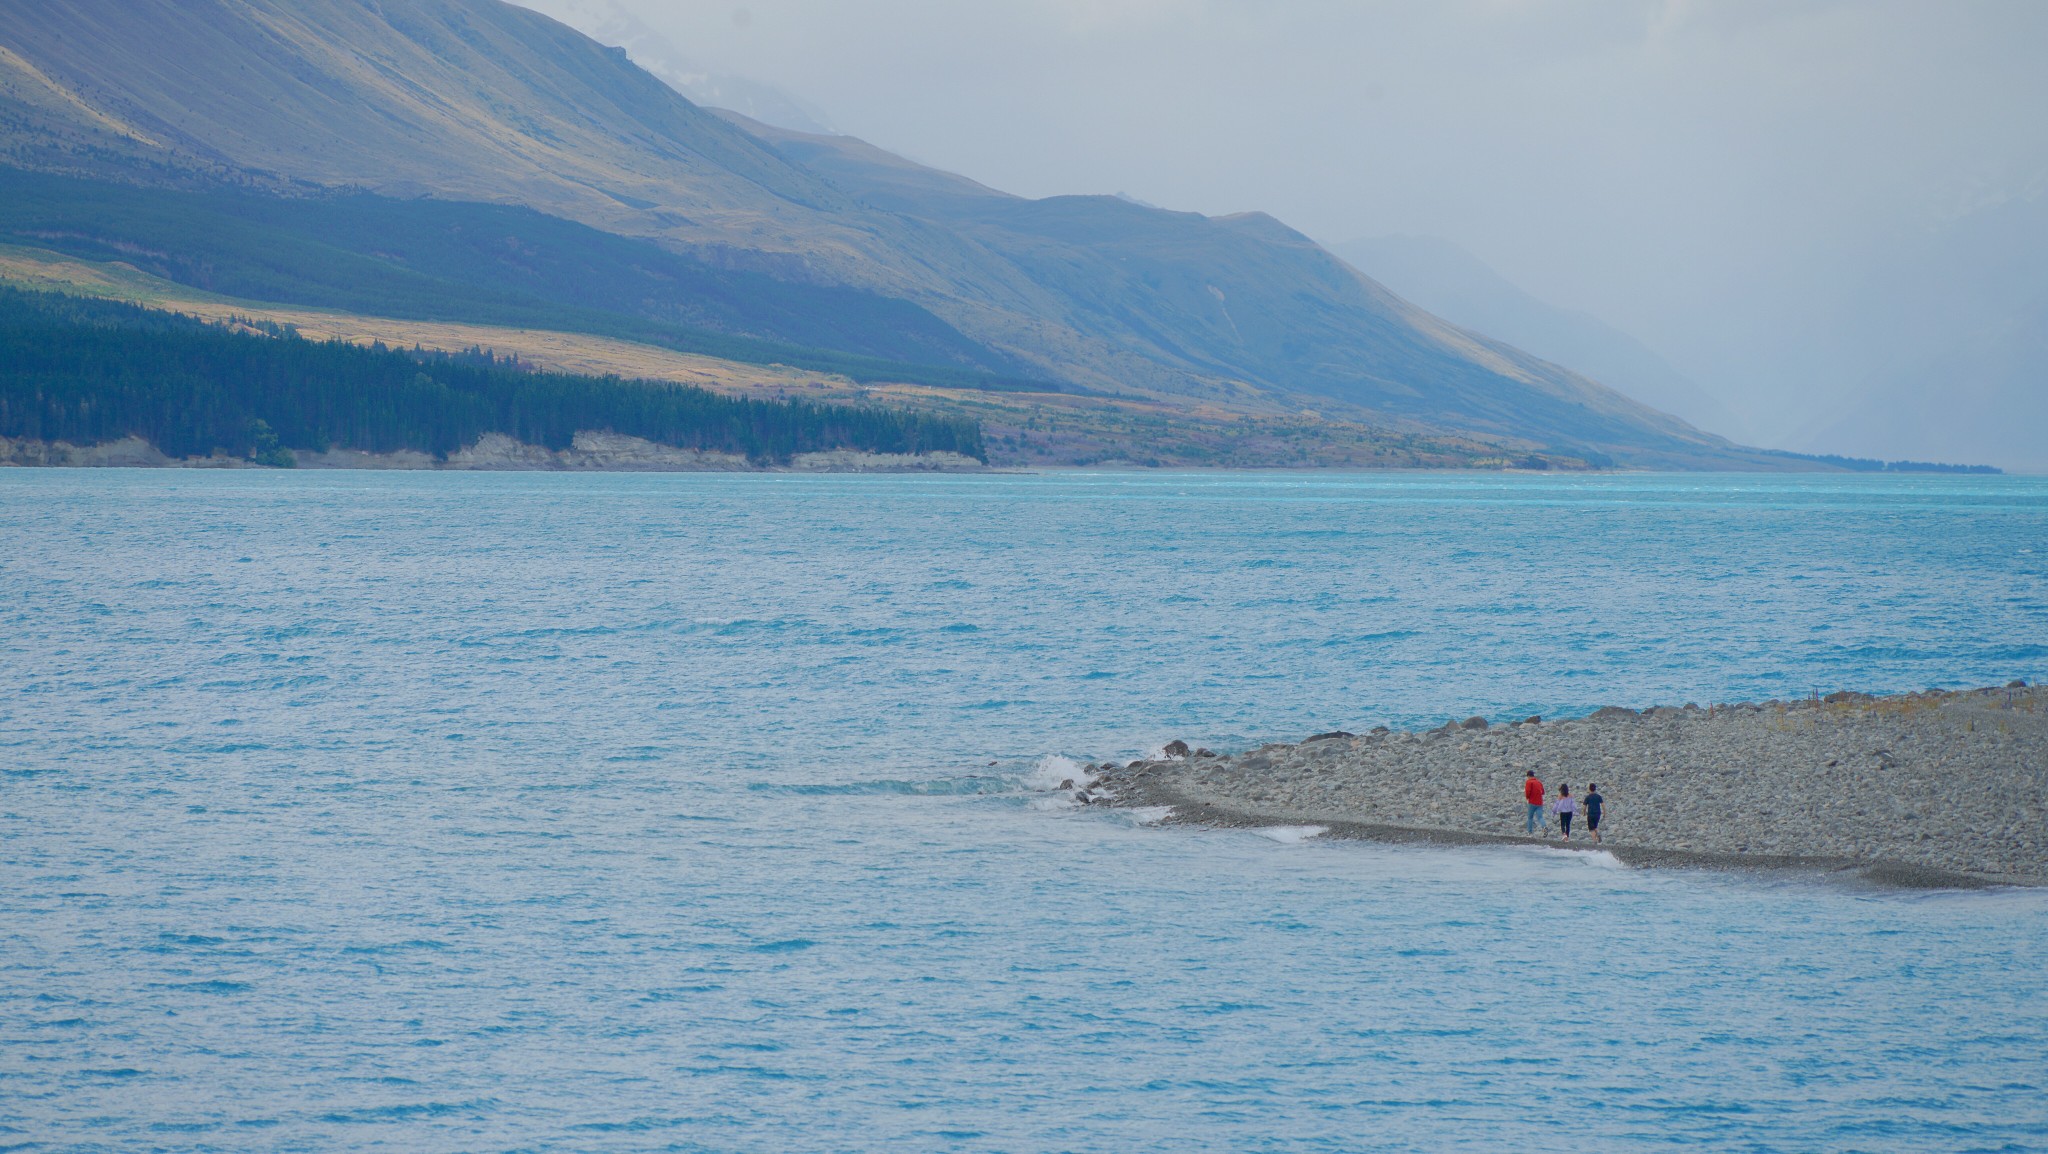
x: 1291, y: 834
x: 1052, y: 769
x: 1146, y: 814
x: 1551, y: 857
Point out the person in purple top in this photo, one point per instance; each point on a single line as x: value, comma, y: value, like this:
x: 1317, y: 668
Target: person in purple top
x: 1564, y: 807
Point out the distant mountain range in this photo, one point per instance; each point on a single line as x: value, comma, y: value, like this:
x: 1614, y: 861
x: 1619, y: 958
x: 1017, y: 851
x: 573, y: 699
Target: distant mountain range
x: 1953, y: 327
x: 473, y: 157
x: 1459, y: 287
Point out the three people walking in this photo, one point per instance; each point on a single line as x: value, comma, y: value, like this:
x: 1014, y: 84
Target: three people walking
x: 1565, y: 806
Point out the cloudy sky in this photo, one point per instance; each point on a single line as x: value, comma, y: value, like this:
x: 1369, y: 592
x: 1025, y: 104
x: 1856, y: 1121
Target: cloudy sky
x: 1723, y: 180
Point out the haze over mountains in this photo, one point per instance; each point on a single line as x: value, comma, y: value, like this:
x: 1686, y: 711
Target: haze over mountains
x: 1455, y: 285
x: 480, y: 101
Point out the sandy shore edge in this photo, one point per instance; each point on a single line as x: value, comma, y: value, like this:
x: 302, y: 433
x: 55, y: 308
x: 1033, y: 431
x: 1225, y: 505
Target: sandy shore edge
x: 1151, y: 793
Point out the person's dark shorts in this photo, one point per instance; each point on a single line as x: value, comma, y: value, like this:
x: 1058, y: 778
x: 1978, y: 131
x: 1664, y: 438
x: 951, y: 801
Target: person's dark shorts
x: 1592, y: 819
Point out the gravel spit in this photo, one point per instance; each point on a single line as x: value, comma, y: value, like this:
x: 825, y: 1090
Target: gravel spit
x: 1935, y: 789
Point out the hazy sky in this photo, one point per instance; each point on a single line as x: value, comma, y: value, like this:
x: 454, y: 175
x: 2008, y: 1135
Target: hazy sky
x: 1700, y: 174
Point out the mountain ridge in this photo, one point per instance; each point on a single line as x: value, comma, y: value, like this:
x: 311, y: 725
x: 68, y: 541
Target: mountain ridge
x: 477, y: 99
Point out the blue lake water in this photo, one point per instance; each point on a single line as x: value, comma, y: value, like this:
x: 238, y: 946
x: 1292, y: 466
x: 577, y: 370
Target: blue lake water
x: 626, y: 812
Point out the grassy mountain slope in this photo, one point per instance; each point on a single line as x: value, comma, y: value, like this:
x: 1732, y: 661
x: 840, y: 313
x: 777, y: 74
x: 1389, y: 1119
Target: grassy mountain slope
x: 488, y: 264
x: 1246, y: 298
x: 1023, y: 427
x: 479, y: 100
x: 459, y: 99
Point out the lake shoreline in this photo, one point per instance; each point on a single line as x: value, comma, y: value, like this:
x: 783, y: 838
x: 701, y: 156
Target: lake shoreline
x: 592, y: 451
x: 1940, y: 790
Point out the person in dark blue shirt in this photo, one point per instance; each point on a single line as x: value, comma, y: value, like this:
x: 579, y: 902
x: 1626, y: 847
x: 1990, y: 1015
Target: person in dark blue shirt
x: 1594, y: 803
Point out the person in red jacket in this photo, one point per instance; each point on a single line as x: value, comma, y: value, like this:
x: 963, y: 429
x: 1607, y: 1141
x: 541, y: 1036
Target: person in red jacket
x: 1532, y: 792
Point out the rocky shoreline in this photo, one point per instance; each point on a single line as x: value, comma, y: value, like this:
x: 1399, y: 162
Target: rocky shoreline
x: 1934, y: 789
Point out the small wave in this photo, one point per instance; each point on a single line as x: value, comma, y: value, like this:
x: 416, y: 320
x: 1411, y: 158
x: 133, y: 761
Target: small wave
x: 935, y: 787
x: 1053, y: 770
x: 785, y: 946
x: 409, y: 1111
x: 1291, y: 834
x: 217, y: 986
x: 1146, y: 814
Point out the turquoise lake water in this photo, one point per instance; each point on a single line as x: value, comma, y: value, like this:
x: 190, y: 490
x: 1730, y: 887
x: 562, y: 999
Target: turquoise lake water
x: 629, y: 812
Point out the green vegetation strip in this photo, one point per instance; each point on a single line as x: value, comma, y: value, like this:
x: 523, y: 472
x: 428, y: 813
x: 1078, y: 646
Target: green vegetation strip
x: 90, y: 371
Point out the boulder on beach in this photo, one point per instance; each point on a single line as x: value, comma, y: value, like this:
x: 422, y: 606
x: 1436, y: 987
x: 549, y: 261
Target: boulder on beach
x: 1176, y: 748
x: 1615, y: 713
x: 1473, y: 723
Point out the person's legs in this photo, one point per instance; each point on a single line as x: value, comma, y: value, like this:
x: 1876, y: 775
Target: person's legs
x: 1534, y: 810
x: 1593, y: 828
x: 1565, y: 821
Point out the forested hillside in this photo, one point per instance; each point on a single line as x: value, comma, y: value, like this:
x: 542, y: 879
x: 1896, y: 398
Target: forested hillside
x: 89, y: 371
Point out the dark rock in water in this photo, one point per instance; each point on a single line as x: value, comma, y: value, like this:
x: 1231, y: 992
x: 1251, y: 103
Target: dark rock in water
x: 1615, y: 713
x: 1110, y: 767
x: 1473, y: 723
x: 1533, y: 719
x: 1176, y: 748
x: 1205, y: 753
x: 1330, y: 736
x: 1066, y: 783
x: 2016, y: 683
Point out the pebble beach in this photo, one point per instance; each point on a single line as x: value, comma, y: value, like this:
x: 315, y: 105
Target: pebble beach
x: 1941, y: 788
